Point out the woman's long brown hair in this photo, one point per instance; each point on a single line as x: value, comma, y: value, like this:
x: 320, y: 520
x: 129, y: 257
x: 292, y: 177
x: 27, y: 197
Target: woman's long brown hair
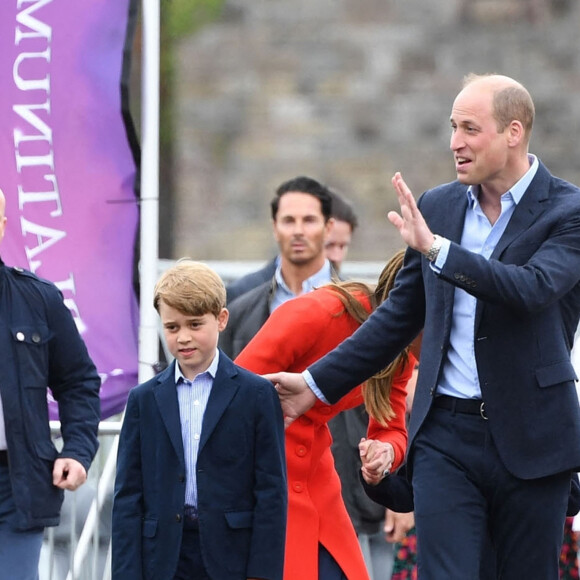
x: 377, y: 390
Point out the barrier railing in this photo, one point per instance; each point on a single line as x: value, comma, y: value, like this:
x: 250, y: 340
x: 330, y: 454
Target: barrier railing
x: 79, y: 549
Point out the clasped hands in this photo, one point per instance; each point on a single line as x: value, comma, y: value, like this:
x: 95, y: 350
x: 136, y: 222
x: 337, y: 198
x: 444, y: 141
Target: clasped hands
x: 377, y: 459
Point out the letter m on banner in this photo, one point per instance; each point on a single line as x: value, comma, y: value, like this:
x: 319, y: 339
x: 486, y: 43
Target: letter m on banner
x: 67, y: 169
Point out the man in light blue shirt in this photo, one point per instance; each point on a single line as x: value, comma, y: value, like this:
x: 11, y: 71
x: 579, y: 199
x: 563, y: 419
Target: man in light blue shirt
x: 492, y: 276
x: 301, y: 221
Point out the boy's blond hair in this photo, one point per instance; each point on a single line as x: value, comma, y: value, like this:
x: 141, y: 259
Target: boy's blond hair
x: 192, y: 288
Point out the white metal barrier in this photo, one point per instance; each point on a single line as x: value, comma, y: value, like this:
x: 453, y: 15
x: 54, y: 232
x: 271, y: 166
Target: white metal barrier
x: 79, y: 549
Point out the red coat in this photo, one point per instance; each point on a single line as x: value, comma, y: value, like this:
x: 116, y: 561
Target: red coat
x: 298, y: 333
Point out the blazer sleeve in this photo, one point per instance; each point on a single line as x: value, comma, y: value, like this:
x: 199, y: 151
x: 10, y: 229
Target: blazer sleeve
x: 266, y: 557
x: 394, y: 491
x: 532, y: 273
x: 127, y: 502
x: 74, y: 382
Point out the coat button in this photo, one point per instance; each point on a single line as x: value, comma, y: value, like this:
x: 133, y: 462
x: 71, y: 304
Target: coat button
x: 36, y: 337
x: 178, y: 518
x: 301, y: 451
x: 298, y: 487
x: 20, y: 336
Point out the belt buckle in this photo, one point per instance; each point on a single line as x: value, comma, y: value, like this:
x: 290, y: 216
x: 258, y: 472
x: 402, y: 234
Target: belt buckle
x: 482, y: 411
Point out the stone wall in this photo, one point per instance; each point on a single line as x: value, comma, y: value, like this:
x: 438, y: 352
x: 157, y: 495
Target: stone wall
x: 348, y: 92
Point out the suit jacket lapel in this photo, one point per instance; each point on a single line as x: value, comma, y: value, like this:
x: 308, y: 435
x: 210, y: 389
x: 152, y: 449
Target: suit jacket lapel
x: 222, y: 392
x: 452, y: 224
x: 527, y: 210
x: 525, y: 214
x: 165, y: 393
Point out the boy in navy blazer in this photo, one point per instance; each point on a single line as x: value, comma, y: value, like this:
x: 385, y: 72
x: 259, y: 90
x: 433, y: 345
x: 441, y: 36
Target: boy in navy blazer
x: 201, y: 487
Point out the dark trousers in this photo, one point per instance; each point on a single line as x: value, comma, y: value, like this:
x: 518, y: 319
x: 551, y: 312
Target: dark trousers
x: 464, y: 497
x: 190, y: 565
x: 328, y: 569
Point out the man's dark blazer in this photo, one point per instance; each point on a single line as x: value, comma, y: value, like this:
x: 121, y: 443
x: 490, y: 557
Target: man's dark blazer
x: 241, y: 480
x: 248, y: 313
x: 251, y: 280
x: 526, y: 315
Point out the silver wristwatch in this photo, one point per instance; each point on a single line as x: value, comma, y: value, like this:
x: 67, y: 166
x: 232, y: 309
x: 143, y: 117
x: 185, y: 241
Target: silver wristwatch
x: 433, y: 251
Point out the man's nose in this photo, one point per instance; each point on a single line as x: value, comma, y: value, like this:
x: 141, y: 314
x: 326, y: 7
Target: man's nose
x: 456, y: 142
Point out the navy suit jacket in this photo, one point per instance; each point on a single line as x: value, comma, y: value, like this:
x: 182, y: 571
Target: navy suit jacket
x: 241, y: 480
x: 528, y: 306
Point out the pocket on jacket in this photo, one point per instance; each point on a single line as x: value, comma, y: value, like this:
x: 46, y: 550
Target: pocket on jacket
x: 149, y: 529
x: 555, y: 374
x: 31, y: 348
x: 237, y: 520
x: 45, y: 449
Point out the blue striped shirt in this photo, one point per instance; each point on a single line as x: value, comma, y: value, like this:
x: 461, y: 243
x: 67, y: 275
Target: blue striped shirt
x: 192, y: 397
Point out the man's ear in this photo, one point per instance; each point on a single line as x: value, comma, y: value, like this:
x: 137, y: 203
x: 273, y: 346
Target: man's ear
x: 222, y: 319
x: 275, y: 232
x: 516, y: 133
x: 328, y: 227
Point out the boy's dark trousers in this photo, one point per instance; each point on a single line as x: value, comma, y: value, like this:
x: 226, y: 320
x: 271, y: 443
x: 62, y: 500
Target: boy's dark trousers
x: 190, y: 565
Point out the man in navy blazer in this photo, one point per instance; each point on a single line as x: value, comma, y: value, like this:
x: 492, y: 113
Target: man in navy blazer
x: 200, y: 492
x: 494, y: 434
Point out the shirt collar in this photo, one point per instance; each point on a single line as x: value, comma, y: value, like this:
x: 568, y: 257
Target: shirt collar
x: 323, y: 276
x: 516, y: 191
x: 211, y: 370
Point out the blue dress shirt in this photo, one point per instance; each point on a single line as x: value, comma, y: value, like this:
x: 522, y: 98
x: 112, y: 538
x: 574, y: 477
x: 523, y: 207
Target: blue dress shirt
x: 283, y: 293
x: 192, y: 397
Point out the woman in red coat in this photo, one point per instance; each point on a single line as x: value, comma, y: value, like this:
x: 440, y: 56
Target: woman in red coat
x: 296, y: 334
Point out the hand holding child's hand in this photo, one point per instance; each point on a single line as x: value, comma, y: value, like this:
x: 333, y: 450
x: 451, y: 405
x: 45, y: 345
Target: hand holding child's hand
x: 377, y: 459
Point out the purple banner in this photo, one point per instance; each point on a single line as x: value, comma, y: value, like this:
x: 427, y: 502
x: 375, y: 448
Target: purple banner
x: 67, y: 171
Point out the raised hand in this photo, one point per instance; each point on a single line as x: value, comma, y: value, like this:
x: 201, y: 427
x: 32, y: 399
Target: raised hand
x: 410, y: 222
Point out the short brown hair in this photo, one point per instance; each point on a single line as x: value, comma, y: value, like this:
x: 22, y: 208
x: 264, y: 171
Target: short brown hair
x: 192, y: 288
x: 511, y: 101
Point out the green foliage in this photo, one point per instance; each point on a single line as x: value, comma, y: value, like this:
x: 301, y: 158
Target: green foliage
x: 182, y: 17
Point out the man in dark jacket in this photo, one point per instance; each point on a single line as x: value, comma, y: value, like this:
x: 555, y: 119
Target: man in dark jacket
x: 40, y: 348
x: 301, y: 218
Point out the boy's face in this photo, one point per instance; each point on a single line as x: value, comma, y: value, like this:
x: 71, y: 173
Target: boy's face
x: 192, y: 340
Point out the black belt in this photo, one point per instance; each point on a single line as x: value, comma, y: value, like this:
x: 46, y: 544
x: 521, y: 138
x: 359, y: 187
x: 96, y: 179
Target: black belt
x: 3, y: 457
x: 190, y: 518
x: 190, y: 513
x: 457, y: 405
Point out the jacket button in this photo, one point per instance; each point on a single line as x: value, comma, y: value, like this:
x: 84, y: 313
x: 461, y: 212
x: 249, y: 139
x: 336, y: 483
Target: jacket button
x: 301, y: 451
x: 20, y: 336
x: 36, y: 337
x: 178, y: 518
x: 298, y: 487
